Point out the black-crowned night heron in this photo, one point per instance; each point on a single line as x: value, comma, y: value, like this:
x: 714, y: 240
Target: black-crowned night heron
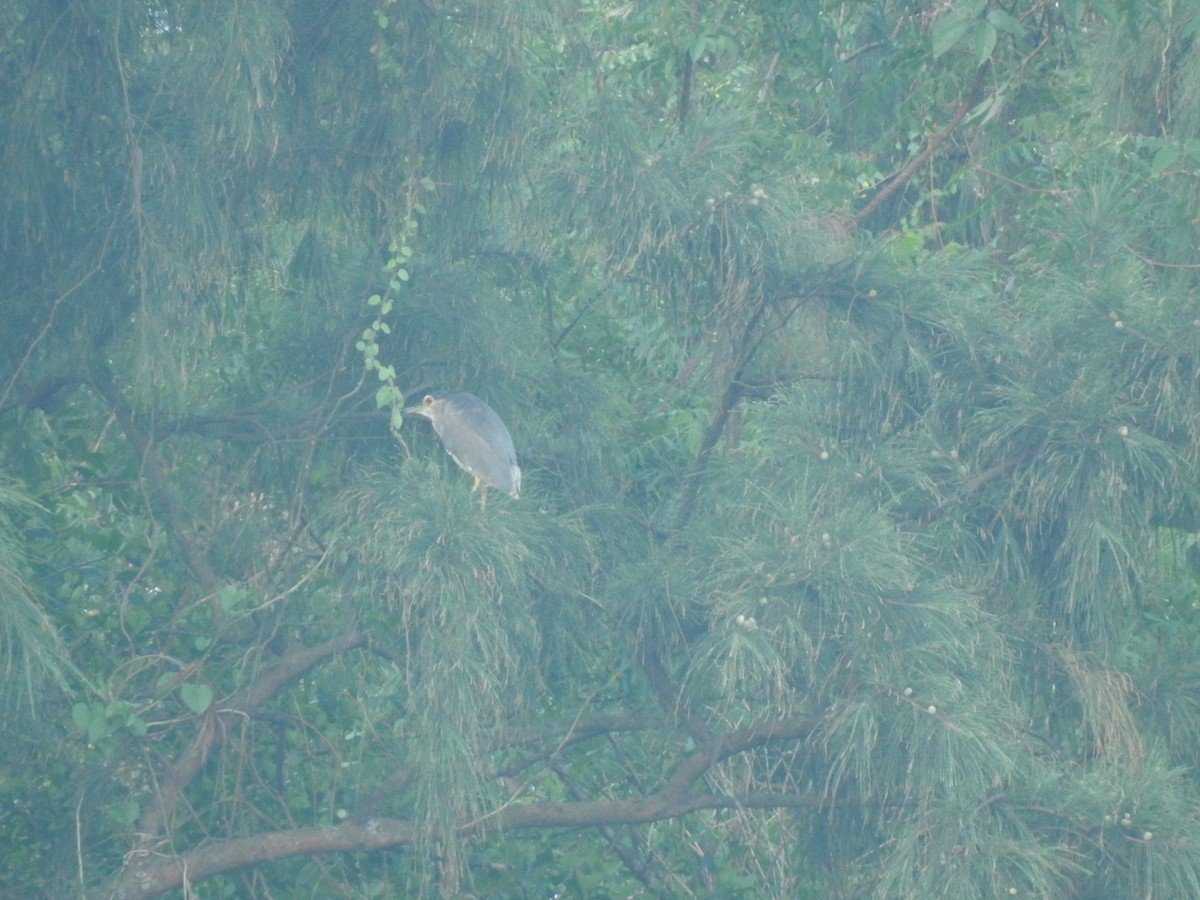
x: 475, y: 438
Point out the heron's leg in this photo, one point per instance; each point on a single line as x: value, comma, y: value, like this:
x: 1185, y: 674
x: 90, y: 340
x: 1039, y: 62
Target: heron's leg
x: 482, y: 488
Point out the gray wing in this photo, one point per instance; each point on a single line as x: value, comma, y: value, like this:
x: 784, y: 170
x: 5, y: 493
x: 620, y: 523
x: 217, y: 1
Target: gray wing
x: 483, y: 446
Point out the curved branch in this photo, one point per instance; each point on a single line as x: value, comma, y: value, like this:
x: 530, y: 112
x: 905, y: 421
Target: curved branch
x: 918, y: 161
x: 151, y: 876
x: 239, y: 707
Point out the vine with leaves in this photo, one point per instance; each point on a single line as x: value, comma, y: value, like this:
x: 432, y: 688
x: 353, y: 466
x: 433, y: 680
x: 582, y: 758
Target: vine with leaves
x: 401, y: 252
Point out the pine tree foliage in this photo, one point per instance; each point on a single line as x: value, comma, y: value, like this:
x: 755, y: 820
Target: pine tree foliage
x: 31, y: 649
x: 850, y: 351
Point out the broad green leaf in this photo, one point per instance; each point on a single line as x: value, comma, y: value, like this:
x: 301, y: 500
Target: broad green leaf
x: 948, y: 31
x: 1164, y: 159
x: 125, y: 811
x: 1005, y: 21
x: 91, y: 720
x: 231, y: 596
x: 985, y: 42
x: 1106, y: 9
x: 81, y: 716
x: 196, y: 697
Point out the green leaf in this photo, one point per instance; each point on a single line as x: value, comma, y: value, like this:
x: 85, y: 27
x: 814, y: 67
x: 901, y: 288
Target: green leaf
x: 1106, y: 9
x: 232, y: 596
x: 985, y: 42
x: 125, y: 811
x: 388, y: 395
x: 948, y: 31
x: 81, y: 716
x: 988, y: 108
x: 196, y: 697
x: 91, y: 720
x: 1164, y: 159
x: 1005, y: 21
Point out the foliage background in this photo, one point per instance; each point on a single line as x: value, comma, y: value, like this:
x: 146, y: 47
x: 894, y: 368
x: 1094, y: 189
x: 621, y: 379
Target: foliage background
x: 850, y: 350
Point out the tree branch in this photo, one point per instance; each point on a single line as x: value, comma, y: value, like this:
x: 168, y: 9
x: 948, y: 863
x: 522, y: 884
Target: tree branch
x: 237, y: 709
x: 154, y: 478
x: 914, y: 164
x: 150, y: 876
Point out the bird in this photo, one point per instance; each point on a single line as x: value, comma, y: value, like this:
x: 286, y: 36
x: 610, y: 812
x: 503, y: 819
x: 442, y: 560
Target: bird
x: 475, y: 437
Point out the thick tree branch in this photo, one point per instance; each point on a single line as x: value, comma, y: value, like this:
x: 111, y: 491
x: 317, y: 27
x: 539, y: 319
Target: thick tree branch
x: 217, y: 725
x: 915, y: 164
x: 748, y: 341
x: 544, y: 741
x: 631, y: 864
x: 150, y: 876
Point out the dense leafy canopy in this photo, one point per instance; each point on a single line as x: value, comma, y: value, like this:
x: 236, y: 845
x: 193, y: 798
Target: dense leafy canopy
x: 851, y: 354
